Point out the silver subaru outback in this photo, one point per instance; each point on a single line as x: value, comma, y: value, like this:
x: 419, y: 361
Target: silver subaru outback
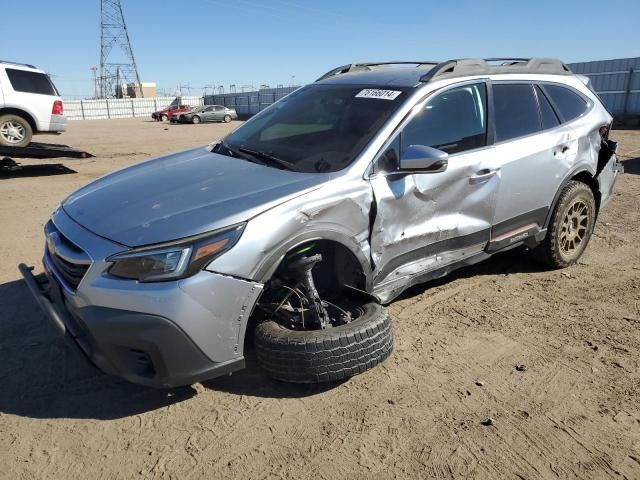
x: 295, y: 228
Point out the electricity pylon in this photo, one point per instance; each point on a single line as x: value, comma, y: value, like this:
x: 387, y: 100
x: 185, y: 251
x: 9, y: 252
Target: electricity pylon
x: 117, y: 65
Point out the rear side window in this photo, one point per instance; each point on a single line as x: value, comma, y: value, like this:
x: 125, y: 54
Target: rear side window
x: 515, y: 111
x: 30, y: 82
x: 454, y: 121
x: 570, y: 104
x: 547, y: 115
x: 219, y: 108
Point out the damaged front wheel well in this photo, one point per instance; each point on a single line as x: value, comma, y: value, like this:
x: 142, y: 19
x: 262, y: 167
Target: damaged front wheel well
x: 339, y: 266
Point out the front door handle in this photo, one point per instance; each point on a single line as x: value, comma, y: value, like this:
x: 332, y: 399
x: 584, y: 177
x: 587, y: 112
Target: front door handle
x: 482, y: 176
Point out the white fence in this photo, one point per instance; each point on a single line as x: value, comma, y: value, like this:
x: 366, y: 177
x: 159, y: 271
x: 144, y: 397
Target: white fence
x: 121, y: 108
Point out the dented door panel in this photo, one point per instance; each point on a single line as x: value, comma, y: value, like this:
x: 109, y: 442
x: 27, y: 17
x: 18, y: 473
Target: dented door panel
x: 532, y: 169
x: 425, y: 221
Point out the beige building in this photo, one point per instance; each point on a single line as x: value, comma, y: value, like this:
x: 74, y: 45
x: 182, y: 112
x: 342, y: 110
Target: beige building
x: 131, y: 90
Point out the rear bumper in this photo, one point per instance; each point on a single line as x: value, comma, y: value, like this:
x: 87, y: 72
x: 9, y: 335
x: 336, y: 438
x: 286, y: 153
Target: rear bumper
x: 57, y: 124
x: 143, y: 348
x: 608, y: 173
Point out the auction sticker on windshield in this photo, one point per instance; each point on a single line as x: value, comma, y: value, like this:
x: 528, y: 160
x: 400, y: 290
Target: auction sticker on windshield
x: 380, y: 94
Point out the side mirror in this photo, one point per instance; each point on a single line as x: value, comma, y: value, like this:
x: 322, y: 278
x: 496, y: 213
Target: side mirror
x: 423, y: 159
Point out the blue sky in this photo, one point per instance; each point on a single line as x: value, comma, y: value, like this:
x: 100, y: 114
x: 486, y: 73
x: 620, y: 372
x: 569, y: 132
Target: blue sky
x: 206, y: 42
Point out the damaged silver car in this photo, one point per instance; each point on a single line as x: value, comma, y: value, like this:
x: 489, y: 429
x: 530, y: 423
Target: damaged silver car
x: 295, y: 228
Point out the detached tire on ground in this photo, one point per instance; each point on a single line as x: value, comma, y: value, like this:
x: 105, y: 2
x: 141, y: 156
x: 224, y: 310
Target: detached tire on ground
x: 570, y: 227
x: 329, y: 355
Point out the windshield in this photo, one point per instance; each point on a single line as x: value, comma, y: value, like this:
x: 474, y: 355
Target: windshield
x: 319, y: 128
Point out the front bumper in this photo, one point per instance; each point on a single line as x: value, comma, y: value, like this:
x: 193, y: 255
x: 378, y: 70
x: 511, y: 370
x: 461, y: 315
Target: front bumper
x: 163, y: 334
x: 142, y: 348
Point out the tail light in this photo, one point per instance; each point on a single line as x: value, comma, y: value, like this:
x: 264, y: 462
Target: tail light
x: 57, y: 108
x: 604, y: 132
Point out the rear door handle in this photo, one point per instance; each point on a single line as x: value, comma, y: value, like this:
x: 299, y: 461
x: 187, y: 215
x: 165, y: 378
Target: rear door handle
x: 482, y: 176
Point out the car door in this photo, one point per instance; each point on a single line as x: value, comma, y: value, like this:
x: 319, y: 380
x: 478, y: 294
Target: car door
x: 219, y: 113
x: 535, y: 153
x: 426, y: 221
x: 208, y: 114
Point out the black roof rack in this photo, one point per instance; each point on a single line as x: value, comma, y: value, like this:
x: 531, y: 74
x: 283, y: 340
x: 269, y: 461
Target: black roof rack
x: 16, y: 63
x: 477, y: 66
x: 358, y: 67
x: 466, y: 66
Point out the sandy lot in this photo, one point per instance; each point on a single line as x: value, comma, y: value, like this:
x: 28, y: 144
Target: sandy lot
x: 573, y: 413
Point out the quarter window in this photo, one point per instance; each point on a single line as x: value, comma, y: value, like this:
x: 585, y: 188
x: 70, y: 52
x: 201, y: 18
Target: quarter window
x: 516, y: 111
x: 547, y: 115
x: 570, y: 104
x: 453, y: 121
x: 30, y: 82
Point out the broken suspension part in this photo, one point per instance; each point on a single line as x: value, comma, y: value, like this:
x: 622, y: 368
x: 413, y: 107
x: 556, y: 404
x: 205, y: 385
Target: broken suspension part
x: 303, y: 266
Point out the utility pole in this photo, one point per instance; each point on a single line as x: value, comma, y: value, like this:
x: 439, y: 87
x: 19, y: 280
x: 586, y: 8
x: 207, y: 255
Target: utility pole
x: 116, y: 56
x: 95, y: 82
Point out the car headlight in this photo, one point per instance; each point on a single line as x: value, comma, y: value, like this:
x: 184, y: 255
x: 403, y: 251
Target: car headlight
x: 171, y: 261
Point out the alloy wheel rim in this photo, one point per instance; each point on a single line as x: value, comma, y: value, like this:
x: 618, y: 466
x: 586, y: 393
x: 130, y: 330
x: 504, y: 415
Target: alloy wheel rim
x: 12, y: 132
x: 574, y: 227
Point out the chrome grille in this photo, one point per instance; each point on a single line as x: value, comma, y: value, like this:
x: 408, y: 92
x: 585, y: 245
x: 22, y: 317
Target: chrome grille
x: 69, y: 261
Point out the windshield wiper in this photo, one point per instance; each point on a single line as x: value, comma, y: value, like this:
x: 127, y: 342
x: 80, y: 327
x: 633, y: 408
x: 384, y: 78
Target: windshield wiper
x: 267, y: 156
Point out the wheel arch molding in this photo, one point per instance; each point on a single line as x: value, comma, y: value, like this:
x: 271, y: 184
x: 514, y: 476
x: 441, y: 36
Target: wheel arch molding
x: 582, y: 174
x: 340, y: 240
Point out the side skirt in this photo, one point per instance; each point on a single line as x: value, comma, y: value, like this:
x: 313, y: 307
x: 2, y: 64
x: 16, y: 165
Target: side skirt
x: 387, y: 292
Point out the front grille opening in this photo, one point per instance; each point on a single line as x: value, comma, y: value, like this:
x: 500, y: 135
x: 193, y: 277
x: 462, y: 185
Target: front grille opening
x: 71, y: 272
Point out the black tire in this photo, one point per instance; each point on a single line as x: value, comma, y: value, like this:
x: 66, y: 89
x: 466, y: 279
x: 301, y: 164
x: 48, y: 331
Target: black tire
x: 196, y: 119
x: 552, y: 251
x: 164, y: 118
x: 329, y: 355
x: 11, y: 125
x: 227, y: 118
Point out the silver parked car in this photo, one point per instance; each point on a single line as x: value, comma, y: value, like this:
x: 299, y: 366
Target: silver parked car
x: 297, y: 226
x: 207, y: 113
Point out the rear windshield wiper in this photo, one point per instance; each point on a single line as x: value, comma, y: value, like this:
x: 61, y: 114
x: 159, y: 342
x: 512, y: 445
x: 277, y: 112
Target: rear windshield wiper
x: 270, y: 158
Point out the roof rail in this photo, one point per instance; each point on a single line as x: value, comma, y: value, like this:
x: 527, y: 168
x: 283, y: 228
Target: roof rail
x: 477, y: 66
x: 356, y: 67
x: 16, y: 63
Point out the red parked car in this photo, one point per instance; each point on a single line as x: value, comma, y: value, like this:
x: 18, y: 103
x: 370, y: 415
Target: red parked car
x: 167, y: 113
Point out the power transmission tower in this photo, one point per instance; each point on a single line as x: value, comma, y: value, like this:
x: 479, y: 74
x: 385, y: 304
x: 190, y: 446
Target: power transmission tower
x: 117, y: 65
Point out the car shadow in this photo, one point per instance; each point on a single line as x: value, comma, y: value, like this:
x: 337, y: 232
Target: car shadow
x: 632, y: 166
x: 253, y: 381
x: 40, y: 170
x: 44, y: 376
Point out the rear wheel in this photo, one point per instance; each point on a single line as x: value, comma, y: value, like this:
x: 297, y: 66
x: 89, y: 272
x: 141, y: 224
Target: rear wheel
x: 196, y: 119
x: 570, y: 227
x: 164, y: 117
x: 227, y: 118
x: 15, y: 131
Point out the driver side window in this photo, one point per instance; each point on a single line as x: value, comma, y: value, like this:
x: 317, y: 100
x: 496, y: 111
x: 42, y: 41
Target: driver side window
x: 453, y: 121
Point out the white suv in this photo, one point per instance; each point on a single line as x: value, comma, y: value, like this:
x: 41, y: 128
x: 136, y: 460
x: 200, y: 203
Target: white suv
x: 29, y: 104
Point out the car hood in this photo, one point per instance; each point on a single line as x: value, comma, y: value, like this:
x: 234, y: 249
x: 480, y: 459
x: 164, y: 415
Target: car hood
x: 182, y: 194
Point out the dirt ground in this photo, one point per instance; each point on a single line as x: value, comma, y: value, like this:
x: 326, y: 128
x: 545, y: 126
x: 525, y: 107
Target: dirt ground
x: 574, y: 412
